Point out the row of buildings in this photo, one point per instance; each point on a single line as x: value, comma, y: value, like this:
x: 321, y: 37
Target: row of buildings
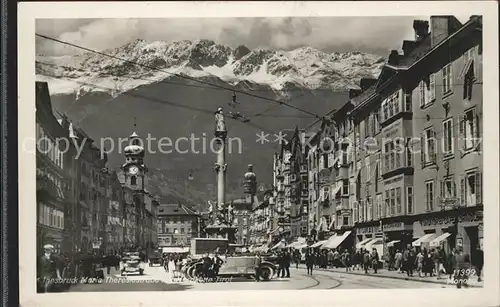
x: 400, y: 160
x: 81, y: 204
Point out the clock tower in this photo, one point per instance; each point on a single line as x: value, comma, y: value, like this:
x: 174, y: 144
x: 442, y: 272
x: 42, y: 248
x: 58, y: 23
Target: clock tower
x: 134, y: 168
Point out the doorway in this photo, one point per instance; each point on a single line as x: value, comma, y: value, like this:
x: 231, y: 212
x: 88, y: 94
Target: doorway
x: 473, y: 240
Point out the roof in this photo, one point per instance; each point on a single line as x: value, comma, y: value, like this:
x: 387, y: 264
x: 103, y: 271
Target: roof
x: 175, y: 209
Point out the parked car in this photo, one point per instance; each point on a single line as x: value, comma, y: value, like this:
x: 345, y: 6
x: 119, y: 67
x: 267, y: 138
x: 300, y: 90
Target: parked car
x: 132, y: 263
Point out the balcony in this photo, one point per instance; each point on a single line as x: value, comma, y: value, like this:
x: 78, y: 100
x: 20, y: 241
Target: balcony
x: 396, y: 164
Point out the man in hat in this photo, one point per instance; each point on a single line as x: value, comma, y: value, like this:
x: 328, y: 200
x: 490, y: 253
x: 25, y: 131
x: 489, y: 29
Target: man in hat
x: 48, y: 268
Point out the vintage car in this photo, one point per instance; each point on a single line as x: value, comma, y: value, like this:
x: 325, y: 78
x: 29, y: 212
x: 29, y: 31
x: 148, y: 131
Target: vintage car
x: 155, y: 259
x: 233, y: 266
x: 131, y: 263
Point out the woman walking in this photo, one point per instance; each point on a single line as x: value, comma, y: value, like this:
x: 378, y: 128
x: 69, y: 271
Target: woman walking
x: 419, y: 261
x: 310, y: 259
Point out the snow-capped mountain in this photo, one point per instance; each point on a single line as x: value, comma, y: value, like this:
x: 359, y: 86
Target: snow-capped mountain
x: 304, y: 67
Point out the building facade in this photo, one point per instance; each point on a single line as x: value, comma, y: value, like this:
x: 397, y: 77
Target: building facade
x: 417, y: 175
x: 176, y: 224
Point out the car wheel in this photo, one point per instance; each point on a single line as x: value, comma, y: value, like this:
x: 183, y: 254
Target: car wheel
x: 266, y: 273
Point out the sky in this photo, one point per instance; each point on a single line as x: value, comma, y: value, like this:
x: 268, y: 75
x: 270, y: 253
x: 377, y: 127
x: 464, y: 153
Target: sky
x: 377, y: 35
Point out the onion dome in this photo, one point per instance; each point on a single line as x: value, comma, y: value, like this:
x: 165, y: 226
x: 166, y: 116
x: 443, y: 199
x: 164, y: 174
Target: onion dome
x: 250, y: 175
x: 135, y: 146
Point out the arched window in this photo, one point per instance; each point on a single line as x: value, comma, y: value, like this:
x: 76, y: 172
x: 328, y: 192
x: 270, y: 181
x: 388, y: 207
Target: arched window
x: 133, y: 180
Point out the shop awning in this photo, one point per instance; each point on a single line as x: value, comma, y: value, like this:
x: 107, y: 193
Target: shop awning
x: 300, y: 246
x: 362, y: 243
x: 279, y: 245
x: 376, y: 241
x: 424, y: 239
x: 318, y: 244
x: 437, y: 241
x: 335, y: 242
x: 391, y: 244
x: 298, y: 242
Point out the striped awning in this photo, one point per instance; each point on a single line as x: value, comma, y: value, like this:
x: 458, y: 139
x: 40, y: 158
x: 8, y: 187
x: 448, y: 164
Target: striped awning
x: 424, y: 239
x: 362, y: 243
x: 437, y: 241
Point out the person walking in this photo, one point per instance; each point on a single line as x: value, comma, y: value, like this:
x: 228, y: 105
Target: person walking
x: 310, y: 260
x: 450, y: 263
x: 428, y: 262
x: 375, y: 260
x: 419, y: 262
x: 438, y: 261
x: 287, y: 259
x: 346, y: 259
x: 398, y: 258
x: 412, y: 257
x: 478, y: 262
x: 462, y: 268
x: 257, y: 265
x: 329, y: 257
x: 48, y: 269
x: 366, y: 261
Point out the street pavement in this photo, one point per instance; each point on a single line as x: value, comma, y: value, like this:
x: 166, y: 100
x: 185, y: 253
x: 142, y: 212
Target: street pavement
x: 156, y: 279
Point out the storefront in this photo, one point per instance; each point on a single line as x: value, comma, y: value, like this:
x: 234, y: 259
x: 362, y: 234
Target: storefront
x: 397, y: 234
x: 367, y: 231
x: 451, y: 228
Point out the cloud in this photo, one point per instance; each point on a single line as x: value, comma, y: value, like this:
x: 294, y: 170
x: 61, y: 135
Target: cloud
x: 368, y: 34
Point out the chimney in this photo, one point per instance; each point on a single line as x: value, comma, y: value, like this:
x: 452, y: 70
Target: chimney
x: 365, y: 83
x: 421, y: 28
x: 408, y: 47
x: 393, y: 58
x: 354, y: 92
x: 442, y: 27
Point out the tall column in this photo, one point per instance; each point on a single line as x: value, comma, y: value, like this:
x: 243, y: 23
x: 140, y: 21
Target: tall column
x: 220, y: 166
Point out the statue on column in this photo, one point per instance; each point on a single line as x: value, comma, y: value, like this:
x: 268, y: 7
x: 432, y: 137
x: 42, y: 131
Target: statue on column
x: 220, y: 126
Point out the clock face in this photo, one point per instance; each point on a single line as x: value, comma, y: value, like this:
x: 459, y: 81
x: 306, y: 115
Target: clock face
x: 134, y: 170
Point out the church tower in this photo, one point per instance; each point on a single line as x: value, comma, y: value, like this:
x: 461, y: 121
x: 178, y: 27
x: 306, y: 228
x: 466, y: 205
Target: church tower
x: 134, y: 169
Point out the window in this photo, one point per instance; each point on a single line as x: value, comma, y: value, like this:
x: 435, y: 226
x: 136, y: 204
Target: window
x: 369, y: 212
x: 408, y: 103
x: 428, y: 148
x: 393, y: 202
x: 448, y: 188
x: 355, y: 211
x: 398, y: 200
x: 380, y: 205
x: 345, y: 187
x: 182, y: 230
x: 345, y: 221
x: 469, y: 72
x: 429, y: 195
x: 470, y: 55
x: 176, y: 231
x: 447, y: 79
x: 469, y: 129
x: 448, y: 136
x: 388, y: 203
x: 391, y: 106
x: 409, y: 152
x: 471, y: 189
x: 361, y: 211
x: 409, y: 200
x: 133, y: 180
x: 427, y: 90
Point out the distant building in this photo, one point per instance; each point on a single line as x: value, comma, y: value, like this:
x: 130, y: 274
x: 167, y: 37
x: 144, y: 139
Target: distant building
x: 177, y: 224
x: 242, y: 209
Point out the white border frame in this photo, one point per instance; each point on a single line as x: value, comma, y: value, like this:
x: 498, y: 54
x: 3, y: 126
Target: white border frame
x: 28, y: 11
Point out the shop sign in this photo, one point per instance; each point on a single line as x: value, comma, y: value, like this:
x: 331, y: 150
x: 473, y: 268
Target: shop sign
x: 469, y: 217
x: 394, y: 226
x: 368, y: 230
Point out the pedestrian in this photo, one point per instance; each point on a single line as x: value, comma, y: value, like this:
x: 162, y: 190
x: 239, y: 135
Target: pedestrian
x: 419, y: 262
x: 287, y: 261
x: 375, y: 260
x: 412, y: 256
x: 427, y: 264
x: 48, y: 269
x: 438, y: 261
x: 165, y: 262
x: 218, y: 262
x: 336, y: 258
x: 462, y: 268
x: 450, y: 263
x: 478, y: 262
x: 346, y: 258
x: 358, y: 260
x: 281, y: 264
x: 309, y: 262
x: 257, y: 264
x: 329, y: 257
x: 398, y: 258
x: 297, y: 258
x: 366, y: 261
